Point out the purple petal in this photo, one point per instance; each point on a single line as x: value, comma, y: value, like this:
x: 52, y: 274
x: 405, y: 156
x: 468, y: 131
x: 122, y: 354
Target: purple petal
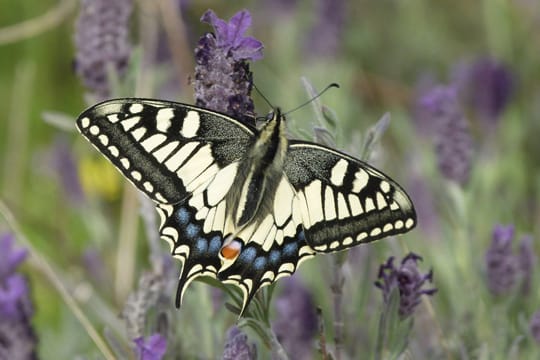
x: 248, y: 49
x: 12, y: 291
x: 152, y: 348
x: 10, y: 258
x: 238, y: 25
x: 220, y: 26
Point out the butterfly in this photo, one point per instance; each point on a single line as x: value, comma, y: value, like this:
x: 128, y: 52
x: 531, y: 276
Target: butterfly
x: 241, y: 204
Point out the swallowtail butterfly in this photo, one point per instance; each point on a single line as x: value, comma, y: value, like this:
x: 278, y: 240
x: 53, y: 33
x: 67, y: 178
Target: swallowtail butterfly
x: 240, y: 204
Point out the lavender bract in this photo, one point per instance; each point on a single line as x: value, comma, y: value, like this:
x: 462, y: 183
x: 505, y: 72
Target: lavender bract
x: 223, y: 81
x: 407, y: 279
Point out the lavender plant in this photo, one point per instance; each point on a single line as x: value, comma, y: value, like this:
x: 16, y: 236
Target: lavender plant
x: 17, y: 337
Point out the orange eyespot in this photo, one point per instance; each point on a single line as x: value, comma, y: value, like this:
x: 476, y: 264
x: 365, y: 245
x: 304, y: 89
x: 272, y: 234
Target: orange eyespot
x: 231, y: 250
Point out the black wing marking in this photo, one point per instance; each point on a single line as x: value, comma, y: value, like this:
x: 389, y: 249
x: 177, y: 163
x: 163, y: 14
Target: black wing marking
x: 344, y: 201
x: 166, y: 149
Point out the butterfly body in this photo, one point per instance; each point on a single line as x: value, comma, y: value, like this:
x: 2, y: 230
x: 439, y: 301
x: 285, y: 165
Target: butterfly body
x: 240, y: 204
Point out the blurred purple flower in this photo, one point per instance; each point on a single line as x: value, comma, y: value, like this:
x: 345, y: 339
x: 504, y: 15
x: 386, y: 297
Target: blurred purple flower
x: 326, y: 35
x: 10, y: 257
x: 237, y: 346
x: 527, y: 261
x: 407, y: 279
x: 151, y: 348
x: 229, y: 37
x: 102, y: 42
x: 296, y: 321
x: 487, y: 86
x: 501, y: 265
x: 534, y: 326
x: 223, y: 81
x: 453, y: 140
x: 17, y: 337
x: 65, y: 168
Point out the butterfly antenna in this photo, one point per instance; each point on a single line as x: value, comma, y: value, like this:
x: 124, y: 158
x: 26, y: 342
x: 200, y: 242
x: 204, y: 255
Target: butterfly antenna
x: 262, y: 95
x: 328, y: 87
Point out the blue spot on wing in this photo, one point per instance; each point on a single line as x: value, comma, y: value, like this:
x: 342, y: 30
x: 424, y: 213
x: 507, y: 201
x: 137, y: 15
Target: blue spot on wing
x: 247, y: 255
x: 215, y: 245
x: 201, y: 245
x: 259, y: 263
x: 192, y: 230
x: 183, y: 216
x: 290, y: 249
x: 274, y: 257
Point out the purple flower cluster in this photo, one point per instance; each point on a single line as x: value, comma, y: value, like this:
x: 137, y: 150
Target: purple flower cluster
x: 151, y: 348
x: 486, y: 86
x: 296, y: 323
x: 453, y: 140
x: 223, y: 81
x: 483, y: 88
x: 237, y: 346
x: 407, y: 279
x: 17, y: 338
x: 102, y: 42
x: 504, y: 268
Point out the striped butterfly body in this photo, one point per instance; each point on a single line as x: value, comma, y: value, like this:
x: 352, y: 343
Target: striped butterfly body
x: 240, y: 204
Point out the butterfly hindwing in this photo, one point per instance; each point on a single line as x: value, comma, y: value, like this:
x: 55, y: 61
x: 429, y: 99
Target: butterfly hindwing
x: 344, y: 201
x: 165, y: 149
x: 271, y: 248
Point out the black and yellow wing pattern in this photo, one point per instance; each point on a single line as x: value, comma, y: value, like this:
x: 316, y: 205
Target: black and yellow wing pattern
x: 240, y: 204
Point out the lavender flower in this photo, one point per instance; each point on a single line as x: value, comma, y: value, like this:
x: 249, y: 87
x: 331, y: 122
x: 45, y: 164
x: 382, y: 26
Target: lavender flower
x: 501, y: 264
x: 102, y: 43
x: 223, y: 81
x: 237, y: 346
x: 296, y: 323
x: 151, y: 348
x: 17, y: 337
x: 534, y: 326
x: 453, y: 140
x: 526, y: 260
x: 487, y: 85
x: 407, y: 279
x: 325, y: 37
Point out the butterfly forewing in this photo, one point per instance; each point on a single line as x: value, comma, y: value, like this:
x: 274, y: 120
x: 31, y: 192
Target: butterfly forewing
x: 165, y: 149
x: 344, y: 201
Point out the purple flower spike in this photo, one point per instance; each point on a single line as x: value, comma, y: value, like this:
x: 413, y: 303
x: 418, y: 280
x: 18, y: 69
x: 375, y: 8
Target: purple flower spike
x: 230, y: 36
x: 453, y: 140
x: 501, y: 264
x: 237, y: 346
x: 223, y: 81
x: 487, y: 86
x: 17, y: 337
x: 102, y: 42
x: 10, y: 257
x: 151, y: 348
x: 296, y: 323
x: 407, y: 279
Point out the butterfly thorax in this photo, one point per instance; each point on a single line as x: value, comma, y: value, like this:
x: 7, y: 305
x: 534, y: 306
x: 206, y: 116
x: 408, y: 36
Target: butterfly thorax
x: 259, y: 173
